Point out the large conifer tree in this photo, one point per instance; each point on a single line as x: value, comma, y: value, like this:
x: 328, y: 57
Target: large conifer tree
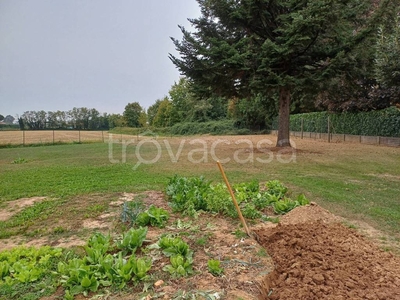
x: 241, y: 48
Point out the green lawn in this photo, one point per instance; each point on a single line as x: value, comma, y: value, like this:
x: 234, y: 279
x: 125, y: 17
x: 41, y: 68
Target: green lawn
x: 355, y: 181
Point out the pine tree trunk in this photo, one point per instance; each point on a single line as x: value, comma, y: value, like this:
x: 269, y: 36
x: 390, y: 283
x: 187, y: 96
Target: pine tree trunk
x: 284, y: 118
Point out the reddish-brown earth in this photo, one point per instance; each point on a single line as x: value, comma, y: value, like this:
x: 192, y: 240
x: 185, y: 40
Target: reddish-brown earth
x: 322, y: 260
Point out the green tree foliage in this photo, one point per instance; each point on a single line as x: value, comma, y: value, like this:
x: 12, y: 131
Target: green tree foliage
x: 255, y: 113
x: 182, y: 105
x: 181, y: 97
x: 21, y: 123
x: 116, y: 120
x: 82, y: 118
x: 143, y: 118
x: 163, y: 116
x: 362, y: 86
x: 35, y: 120
x: 187, y: 107
x: 387, y: 59
x: 152, y: 111
x: 242, y: 48
x: 132, y: 114
x: 1, y: 118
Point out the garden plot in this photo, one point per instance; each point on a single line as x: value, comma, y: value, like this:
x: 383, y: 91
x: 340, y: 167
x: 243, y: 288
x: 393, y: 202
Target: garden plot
x: 308, y: 255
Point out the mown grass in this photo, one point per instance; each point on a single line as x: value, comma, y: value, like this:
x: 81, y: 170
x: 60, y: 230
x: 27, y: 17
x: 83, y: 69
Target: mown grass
x: 355, y: 181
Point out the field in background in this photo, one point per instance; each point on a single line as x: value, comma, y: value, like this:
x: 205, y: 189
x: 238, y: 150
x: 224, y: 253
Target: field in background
x: 360, y: 182
x: 28, y: 137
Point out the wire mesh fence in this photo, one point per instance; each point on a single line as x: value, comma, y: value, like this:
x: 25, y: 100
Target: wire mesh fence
x: 29, y: 137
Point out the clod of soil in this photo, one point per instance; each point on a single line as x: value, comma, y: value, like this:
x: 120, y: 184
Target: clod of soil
x: 319, y: 260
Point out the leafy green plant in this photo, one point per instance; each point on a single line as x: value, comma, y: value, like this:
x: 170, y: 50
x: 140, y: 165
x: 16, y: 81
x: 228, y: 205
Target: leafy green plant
x: 261, y: 200
x: 214, y: 267
x: 219, y: 201
x: 188, y: 195
x: 250, y: 211
x: 302, y: 200
x: 275, y: 187
x: 23, y: 269
x: 100, y: 268
x: 154, y: 216
x: 100, y: 241
x: 140, y: 267
x: 133, y: 268
x: 174, y: 246
x: 284, y: 206
x: 132, y: 240
x: 77, y: 277
x: 180, y: 266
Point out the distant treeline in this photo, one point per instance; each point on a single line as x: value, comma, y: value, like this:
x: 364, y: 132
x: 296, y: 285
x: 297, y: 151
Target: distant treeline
x: 75, y: 119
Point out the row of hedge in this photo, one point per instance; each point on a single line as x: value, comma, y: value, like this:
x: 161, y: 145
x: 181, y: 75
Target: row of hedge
x: 9, y: 127
x: 224, y: 127
x: 384, y: 122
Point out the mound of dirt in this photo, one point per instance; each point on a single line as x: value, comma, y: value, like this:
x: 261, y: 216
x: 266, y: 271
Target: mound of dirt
x: 326, y: 260
x: 308, y: 213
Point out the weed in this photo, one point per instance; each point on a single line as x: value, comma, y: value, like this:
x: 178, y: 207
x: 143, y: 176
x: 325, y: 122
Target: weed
x: 95, y: 210
x: 239, y: 234
x: 59, y: 230
x: 189, y: 295
x: 274, y: 220
x: 202, y: 241
x: 19, y: 160
x: 262, y: 252
x: 349, y: 225
x: 20, y: 222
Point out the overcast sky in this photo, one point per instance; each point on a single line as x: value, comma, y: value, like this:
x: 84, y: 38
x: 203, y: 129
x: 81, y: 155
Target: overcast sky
x: 103, y: 54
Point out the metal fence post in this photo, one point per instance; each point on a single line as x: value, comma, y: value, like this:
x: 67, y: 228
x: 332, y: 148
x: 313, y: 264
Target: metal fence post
x: 302, y: 128
x: 329, y: 129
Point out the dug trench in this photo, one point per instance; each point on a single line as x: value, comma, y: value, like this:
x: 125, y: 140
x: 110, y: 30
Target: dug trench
x: 317, y: 257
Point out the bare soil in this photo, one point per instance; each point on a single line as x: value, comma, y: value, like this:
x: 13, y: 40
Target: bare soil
x: 316, y: 257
